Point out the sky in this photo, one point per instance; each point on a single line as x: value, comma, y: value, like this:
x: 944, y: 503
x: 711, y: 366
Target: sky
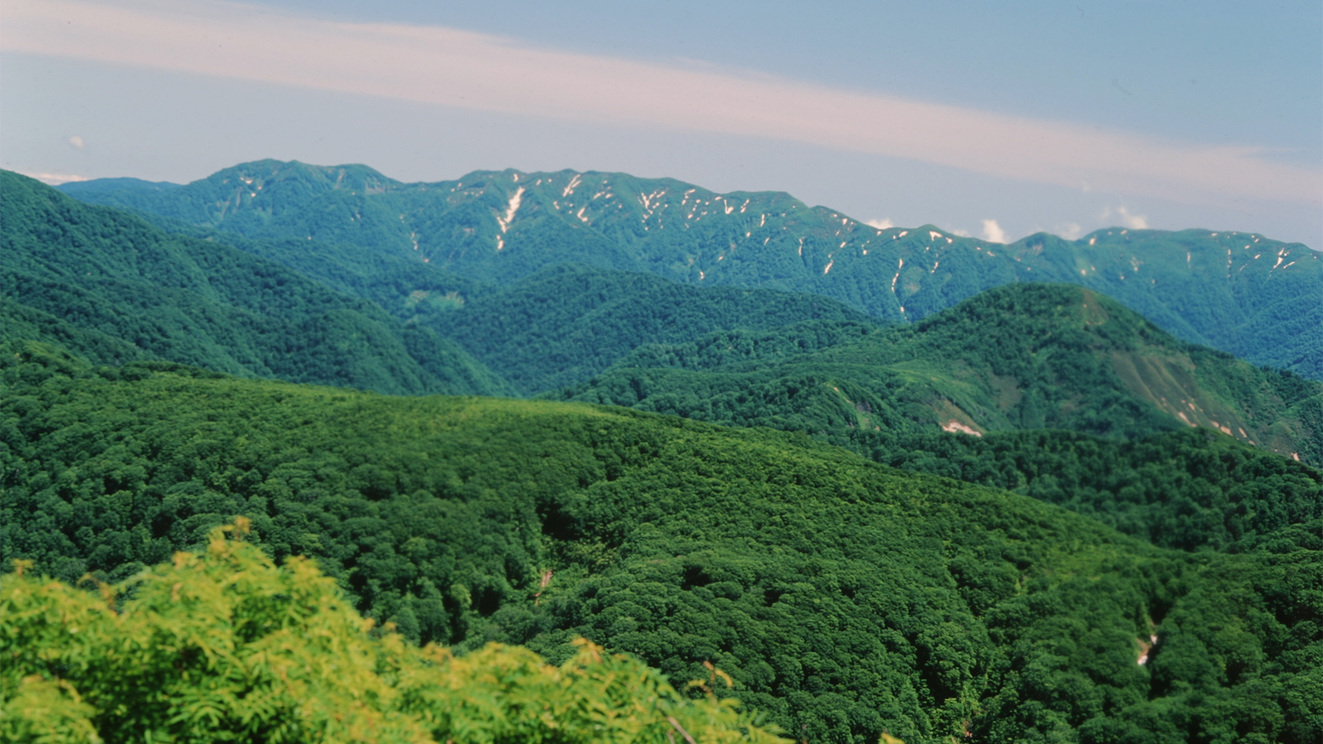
x: 994, y: 120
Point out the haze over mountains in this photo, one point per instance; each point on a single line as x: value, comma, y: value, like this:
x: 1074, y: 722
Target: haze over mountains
x: 1133, y: 554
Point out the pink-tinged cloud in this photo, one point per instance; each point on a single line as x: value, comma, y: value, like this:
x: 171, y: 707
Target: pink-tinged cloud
x: 55, y: 179
x: 450, y: 67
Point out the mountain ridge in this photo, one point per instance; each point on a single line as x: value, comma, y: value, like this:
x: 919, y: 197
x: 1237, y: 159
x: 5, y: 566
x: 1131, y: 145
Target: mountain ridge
x: 559, y: 326
x: 1227, y: 290
x: 1021, y: 356
x: 124, y: 290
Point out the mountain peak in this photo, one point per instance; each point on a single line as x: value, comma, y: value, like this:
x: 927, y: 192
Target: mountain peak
x: 263, y: 173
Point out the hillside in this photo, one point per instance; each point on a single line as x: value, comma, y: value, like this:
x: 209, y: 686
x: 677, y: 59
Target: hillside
x: 340, y: 314
x: 1245, y: 294
x: 844, y: 597
x: 1023, y: 356
x: 113, y: 288
x: 565, y: 324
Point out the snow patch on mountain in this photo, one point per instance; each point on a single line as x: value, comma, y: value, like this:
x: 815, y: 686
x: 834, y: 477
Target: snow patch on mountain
x: 515, y: 199
x: 574, y: 182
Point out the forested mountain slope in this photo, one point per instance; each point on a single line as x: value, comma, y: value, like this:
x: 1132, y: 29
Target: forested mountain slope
x: 114, y: 288
x: 154, y: 295
x: 1022, y: 356
x: 1245, y: 294
x: 846, y: 598
x: 565, y: 324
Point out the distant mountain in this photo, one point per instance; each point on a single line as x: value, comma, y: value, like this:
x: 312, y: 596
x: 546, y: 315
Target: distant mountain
x: 1022, y: 356
x: 113, y: 288
x: 553, y: 328
x: 116, y: 187
x: 1256, y: 298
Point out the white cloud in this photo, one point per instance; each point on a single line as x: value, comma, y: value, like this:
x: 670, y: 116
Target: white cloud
x: 882, y: 224
x: 1132, y: 221
x: 1128, y: 220
x: 76, y: 142
x: 457, y: 68
x: 992, y: 232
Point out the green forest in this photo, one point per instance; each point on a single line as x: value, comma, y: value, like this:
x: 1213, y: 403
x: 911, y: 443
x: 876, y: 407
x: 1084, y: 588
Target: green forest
x: 264, y: 479
x: 843, y: 597
x: 112, y: 288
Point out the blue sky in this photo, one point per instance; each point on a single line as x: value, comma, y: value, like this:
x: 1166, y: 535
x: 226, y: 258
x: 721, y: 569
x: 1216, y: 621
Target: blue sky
x: 993, y: 120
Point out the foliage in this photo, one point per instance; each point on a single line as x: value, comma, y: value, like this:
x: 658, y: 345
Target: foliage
x: 1189, y: 489
x: 224, y: 646
x: 845, y: 598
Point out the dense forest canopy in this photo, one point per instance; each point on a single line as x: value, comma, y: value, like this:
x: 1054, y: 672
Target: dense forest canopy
x: 844, y: 597
x: 564, y: 325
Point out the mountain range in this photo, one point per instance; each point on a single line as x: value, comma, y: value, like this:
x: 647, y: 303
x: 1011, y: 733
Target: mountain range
x: 1246, y: 294
x: 885, y: 479
x: 113, y: 288
x: 544, y: 305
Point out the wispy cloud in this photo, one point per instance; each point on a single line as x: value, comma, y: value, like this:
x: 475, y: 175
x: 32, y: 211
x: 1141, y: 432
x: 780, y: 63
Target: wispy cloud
x: 450, y: 67
x: 882, y: 224
x: 1132, y: 221
x: 1070, y: 231
x: 55, y: 179
x: 76, y: 142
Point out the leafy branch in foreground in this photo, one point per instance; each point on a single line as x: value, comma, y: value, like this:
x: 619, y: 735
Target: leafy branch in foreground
x: 225, y: 646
